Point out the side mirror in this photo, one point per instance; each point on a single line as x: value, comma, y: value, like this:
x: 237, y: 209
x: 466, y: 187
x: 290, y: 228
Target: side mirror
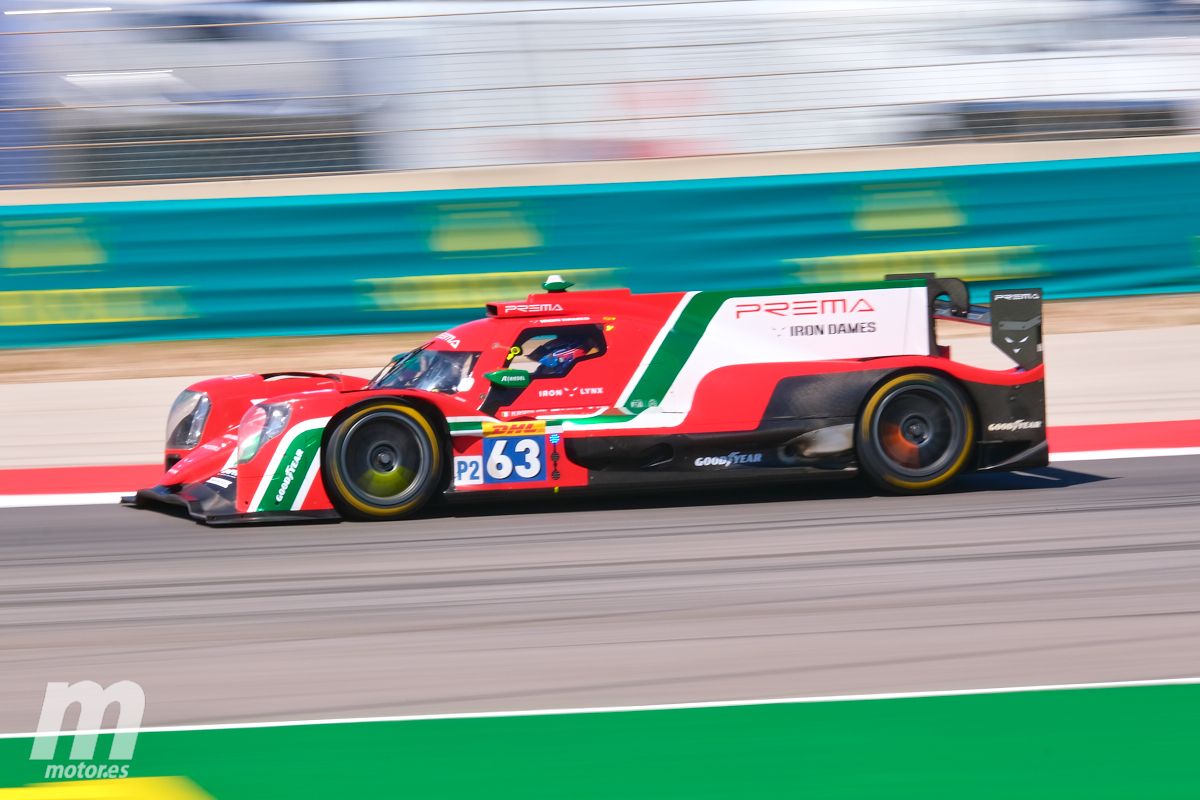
x: 509, y: 378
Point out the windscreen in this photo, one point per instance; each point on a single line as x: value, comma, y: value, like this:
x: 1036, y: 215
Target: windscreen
x: 429, y: 370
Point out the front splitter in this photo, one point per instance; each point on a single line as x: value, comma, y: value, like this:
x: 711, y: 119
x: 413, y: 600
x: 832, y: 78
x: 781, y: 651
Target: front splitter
x: 215, y: 507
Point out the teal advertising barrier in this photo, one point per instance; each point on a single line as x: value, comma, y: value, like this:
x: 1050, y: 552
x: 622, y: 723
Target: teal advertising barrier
x: 368, y: 263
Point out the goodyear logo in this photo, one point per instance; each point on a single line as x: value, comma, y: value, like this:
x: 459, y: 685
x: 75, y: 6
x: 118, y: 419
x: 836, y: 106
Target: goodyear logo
x: 514, y: 428
x: 92, y: 306
x: 468, y: 290
x: 968, y: 263
x: 289, y: 474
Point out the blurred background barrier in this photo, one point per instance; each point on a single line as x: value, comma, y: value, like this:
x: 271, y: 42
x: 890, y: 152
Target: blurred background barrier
x: 374, y: 262
x: 158, y: 90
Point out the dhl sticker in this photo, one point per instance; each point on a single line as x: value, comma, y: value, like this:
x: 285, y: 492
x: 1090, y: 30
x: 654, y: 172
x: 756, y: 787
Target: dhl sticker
x: 531, y: 428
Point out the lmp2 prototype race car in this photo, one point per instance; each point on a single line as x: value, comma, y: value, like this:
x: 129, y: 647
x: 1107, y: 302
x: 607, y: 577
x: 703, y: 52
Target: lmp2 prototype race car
x: 563, y: 390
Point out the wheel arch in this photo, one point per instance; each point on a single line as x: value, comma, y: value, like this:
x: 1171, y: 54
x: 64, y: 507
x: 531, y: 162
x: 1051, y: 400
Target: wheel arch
x: 430, y: 411
x: 970, y: 456
x: 891, y: 375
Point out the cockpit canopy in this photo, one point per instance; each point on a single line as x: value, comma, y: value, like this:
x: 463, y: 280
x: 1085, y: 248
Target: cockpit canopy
x: 428, y: 370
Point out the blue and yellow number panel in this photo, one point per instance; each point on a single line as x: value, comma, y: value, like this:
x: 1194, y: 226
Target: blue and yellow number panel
x: 516, y: 454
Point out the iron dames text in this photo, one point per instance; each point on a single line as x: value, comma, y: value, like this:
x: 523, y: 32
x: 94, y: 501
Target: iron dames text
x: 831, y: 329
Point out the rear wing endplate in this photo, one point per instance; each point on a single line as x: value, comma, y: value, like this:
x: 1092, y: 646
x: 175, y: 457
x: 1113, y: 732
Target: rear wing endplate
x: 1015, y: 315
x: 1017, y: 325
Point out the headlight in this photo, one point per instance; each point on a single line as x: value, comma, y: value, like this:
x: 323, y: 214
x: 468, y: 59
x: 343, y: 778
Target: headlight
x: 185, y: 423
x: 260, y: 425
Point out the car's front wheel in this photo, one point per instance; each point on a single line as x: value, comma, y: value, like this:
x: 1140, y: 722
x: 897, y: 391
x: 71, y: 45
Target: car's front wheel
x: 383, y: 460
x: 915, y: 433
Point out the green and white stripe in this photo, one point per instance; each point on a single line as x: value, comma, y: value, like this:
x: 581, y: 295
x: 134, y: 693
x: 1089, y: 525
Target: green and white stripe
x: 704, y: 333
x: 655, y: 346
x: 292, y: 469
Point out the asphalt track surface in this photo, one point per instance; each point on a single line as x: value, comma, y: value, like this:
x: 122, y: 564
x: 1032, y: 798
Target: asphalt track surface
x: 1084, y: 572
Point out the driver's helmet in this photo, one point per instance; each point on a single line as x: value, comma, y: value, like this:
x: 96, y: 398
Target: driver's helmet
x: 442, y: 375
x: 557, y: 355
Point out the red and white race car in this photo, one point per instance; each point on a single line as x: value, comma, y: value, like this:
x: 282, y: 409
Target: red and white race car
x: 565, y: 390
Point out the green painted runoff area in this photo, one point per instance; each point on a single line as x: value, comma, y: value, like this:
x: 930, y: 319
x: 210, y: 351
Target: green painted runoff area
x: 1136, y: 742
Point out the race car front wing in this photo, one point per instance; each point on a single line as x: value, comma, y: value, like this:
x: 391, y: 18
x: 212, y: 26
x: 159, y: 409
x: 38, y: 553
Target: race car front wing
x: 213, y: 502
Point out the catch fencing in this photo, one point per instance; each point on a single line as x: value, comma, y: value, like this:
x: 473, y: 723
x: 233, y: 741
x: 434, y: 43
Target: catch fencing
x: 191, y: 92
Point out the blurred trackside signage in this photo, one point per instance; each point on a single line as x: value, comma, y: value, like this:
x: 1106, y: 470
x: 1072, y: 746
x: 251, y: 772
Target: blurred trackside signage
x: 471, y: 290
x: 48, y: 248
x: 51, y: 245
x: 93, y: 306
x: 907, y: 206
x: 504, y: 226
x: 969, y: 263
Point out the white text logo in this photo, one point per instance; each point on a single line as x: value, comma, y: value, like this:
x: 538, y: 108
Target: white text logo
x: 93, y: 700
x: 729, y: 460
x: 289, y: 474
x: 1016, y: 425
x: 804, y: 308
x: 531, y: 308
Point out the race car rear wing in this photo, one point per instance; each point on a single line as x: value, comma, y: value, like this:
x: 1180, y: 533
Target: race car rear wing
x: 1015, y: 315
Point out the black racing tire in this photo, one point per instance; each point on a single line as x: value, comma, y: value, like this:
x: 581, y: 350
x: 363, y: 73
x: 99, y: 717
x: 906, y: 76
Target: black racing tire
x: 915, y: 433
x: 383, y: 460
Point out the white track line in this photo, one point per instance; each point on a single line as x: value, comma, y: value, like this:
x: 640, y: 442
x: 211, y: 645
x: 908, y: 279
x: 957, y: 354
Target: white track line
x: 107, y: 498
x: 39, y: 500
x: 1102, y: 455
x: 548, y: 712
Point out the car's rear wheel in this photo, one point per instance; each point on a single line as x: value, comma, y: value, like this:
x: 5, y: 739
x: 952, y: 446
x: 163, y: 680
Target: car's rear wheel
x: 383, y: 460
x: 915, y: 433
